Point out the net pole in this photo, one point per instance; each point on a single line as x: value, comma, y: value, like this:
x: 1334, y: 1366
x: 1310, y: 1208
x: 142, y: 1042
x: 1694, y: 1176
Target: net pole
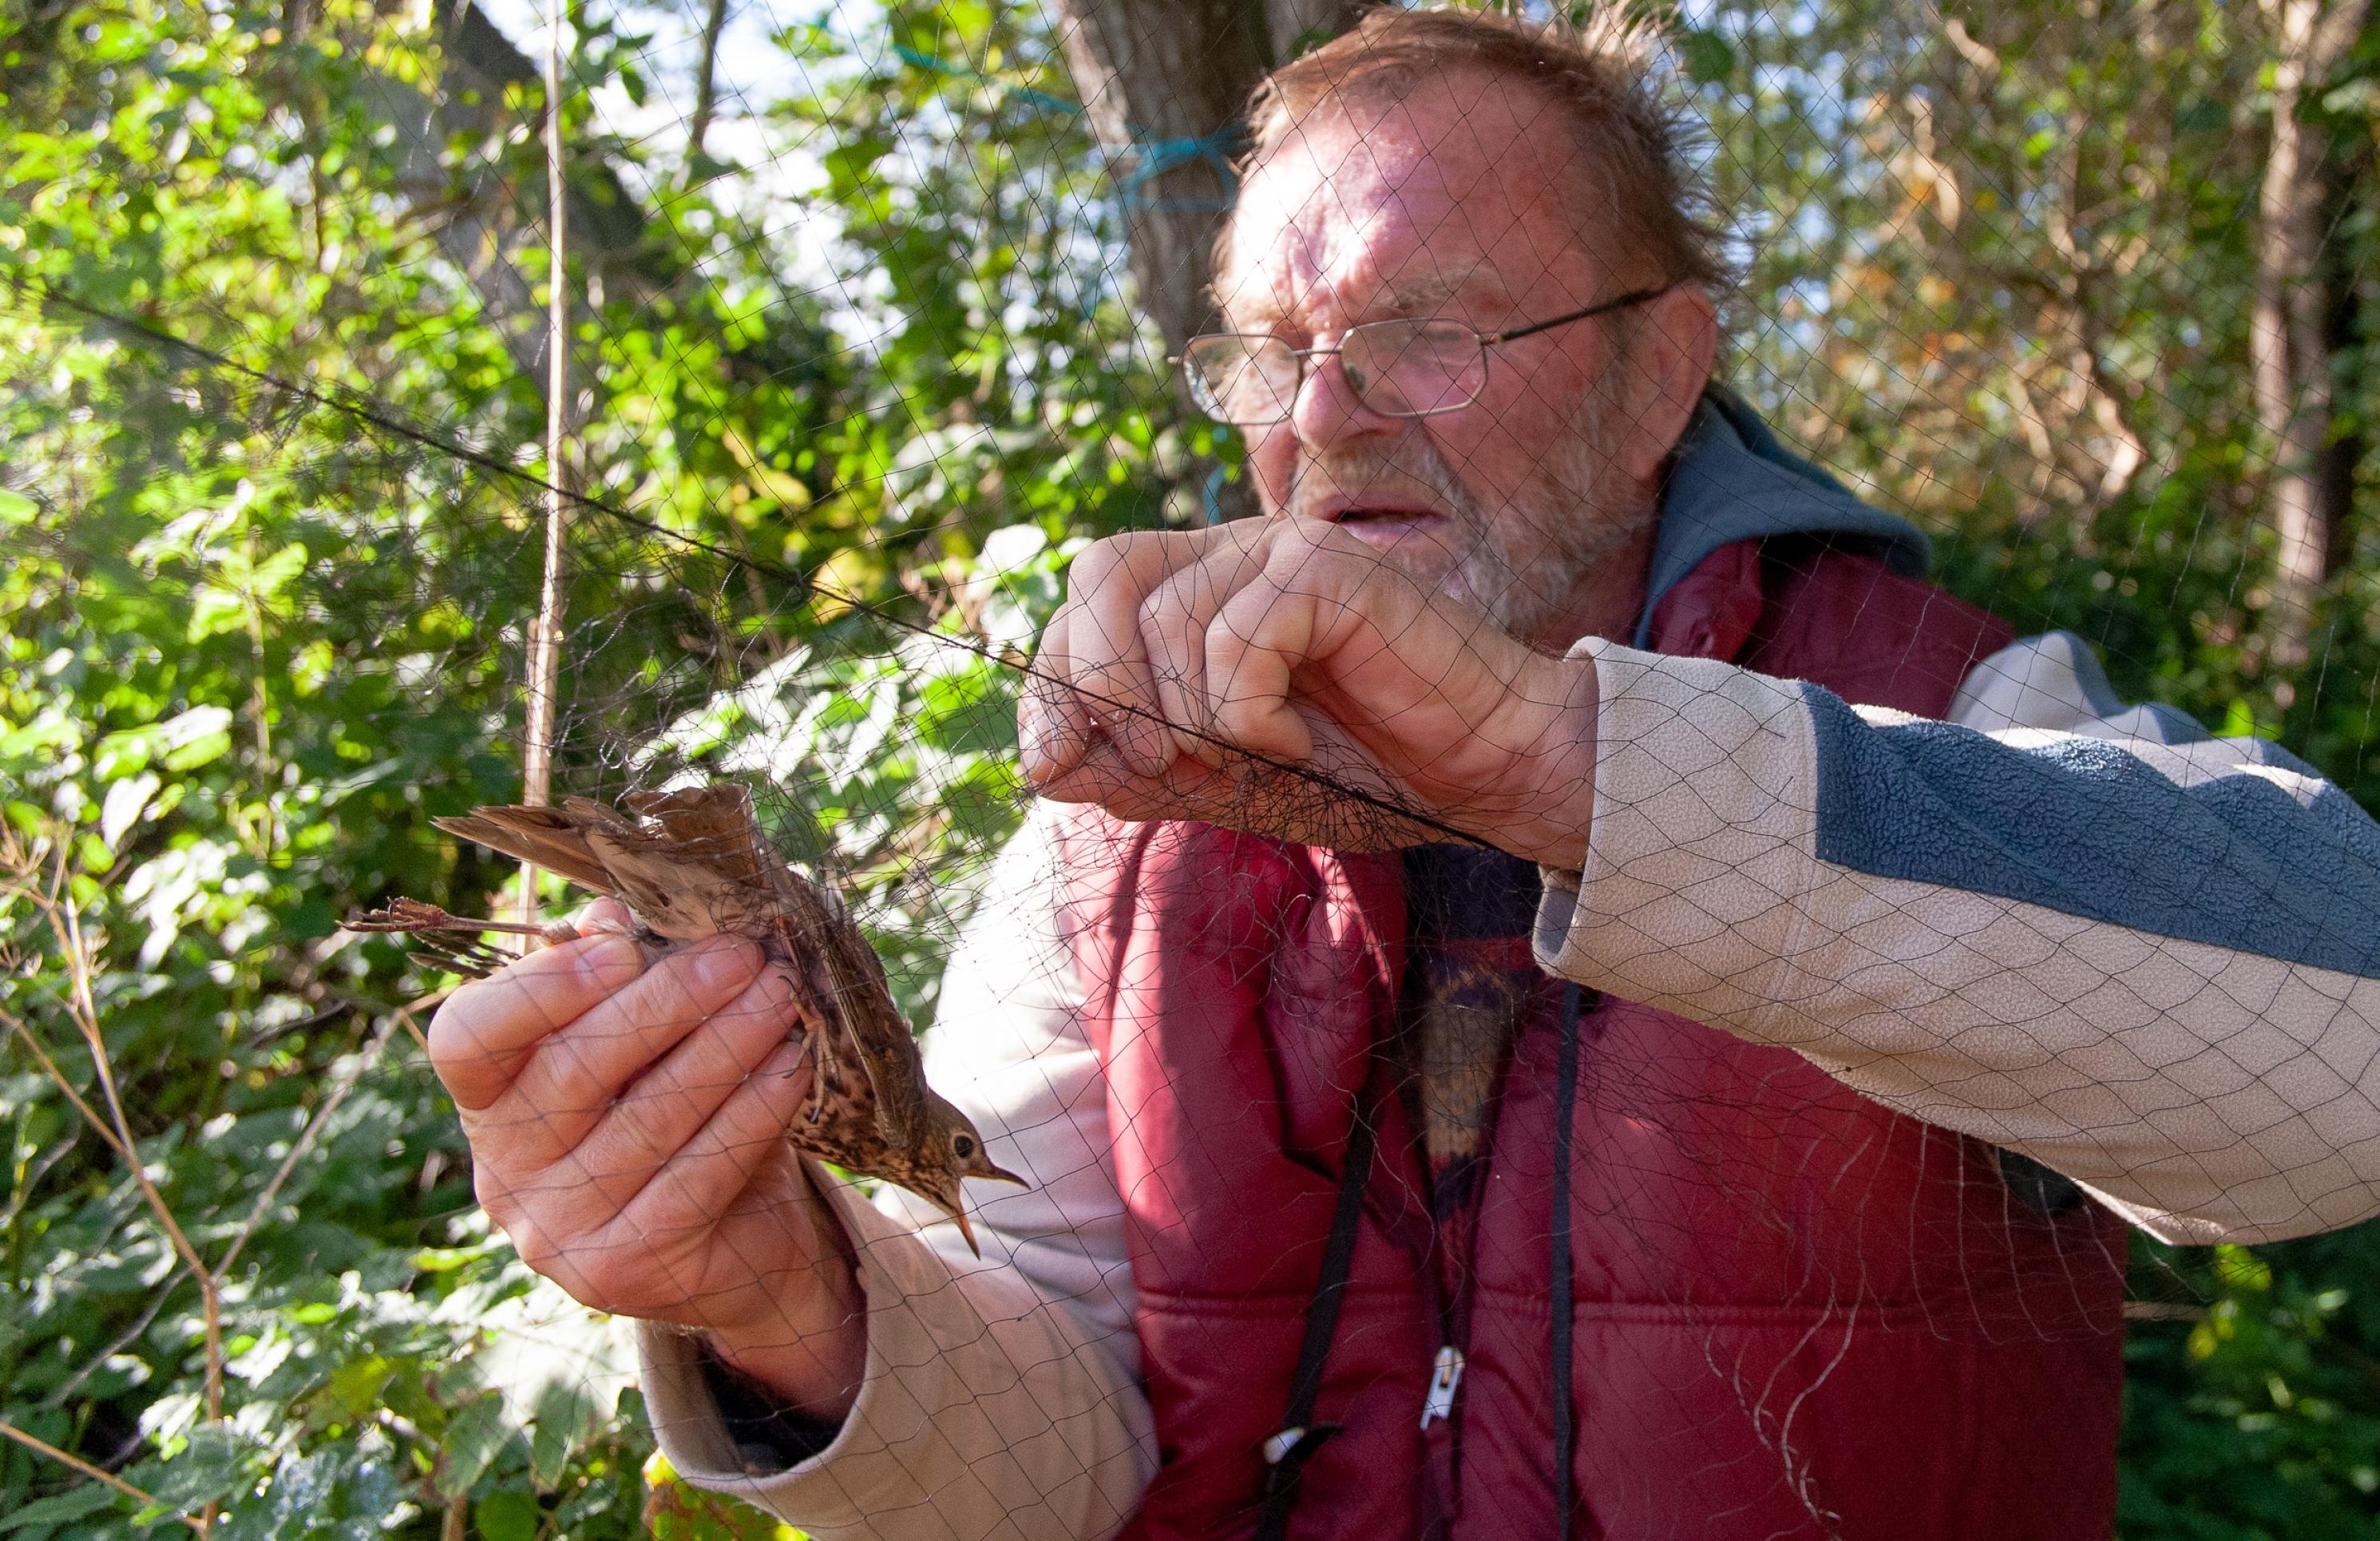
x: 545, y: 630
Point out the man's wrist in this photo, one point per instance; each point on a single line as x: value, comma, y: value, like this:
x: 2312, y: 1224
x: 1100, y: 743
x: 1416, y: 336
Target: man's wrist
x: 801, y: 1332
x: 1553, y: 810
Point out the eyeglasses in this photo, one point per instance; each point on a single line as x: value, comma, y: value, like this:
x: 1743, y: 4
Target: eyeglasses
x: 1399, y: 369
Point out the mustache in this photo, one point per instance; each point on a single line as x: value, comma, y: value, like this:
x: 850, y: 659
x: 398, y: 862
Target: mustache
x: 1410, y: 469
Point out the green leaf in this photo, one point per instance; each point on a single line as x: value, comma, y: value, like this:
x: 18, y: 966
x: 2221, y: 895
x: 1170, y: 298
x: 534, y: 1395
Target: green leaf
x: 473, y: 1436
x: 216, y: 1464
x: 72, y: 1504
x: 507, y: 1515
x: 1710, y: 58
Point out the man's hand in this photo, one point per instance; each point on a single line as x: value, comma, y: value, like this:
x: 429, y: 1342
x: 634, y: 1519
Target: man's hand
x: 1187, y: 672
x: 627, y: 1132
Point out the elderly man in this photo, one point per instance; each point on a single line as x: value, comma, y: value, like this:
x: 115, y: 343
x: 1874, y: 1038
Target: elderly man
x: 1492, y: 1058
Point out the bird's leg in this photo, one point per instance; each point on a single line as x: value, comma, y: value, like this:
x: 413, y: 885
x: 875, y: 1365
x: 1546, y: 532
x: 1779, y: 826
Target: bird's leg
x: 817, y: 1055
x: 411, y: 915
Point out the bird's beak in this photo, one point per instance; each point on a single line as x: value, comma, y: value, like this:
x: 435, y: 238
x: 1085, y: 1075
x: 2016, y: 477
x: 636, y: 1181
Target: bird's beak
x: 1001, y: 1174
x: 966, y: 1230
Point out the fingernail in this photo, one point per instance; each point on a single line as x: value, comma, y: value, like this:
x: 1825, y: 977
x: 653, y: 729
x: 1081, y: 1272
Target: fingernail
x: 725, y: 960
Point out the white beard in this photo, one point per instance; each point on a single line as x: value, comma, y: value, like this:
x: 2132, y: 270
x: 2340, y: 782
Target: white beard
x: 1582, y: 510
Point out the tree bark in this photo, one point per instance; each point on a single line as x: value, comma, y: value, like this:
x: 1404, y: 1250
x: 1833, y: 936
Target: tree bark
x: 2289, y: 332
x: 1168, y: 72
x: 706, y: 79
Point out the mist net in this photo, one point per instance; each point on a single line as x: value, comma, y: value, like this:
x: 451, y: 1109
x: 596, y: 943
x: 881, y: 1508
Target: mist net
x: 1936, y: 1044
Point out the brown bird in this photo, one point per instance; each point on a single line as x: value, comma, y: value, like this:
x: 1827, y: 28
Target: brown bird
x: 694, y: 864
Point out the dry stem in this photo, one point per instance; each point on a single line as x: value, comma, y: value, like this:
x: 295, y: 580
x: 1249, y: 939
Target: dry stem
x: 21, y: 875
x: 43, y: 1446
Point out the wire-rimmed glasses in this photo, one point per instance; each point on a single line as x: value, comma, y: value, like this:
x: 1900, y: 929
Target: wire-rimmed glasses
x: 1399, y: 369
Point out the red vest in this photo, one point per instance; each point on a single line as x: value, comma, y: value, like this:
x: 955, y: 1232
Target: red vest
x: 1795, y: 1314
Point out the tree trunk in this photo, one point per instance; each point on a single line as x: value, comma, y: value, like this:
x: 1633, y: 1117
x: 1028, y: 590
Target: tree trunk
x: 2288, y: 335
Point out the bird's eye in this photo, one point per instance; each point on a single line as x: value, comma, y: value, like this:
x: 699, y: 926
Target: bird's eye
x: 963, y: 1146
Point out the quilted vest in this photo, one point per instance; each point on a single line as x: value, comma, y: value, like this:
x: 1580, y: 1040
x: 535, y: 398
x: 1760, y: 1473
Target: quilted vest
x: 1795, y: 1313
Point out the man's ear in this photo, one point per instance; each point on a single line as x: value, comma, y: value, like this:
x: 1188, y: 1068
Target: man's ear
x: 1672, y: 348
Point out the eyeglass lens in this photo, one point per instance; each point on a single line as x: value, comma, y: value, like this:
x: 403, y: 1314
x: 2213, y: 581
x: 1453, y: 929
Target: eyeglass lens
x: 1400, y: 368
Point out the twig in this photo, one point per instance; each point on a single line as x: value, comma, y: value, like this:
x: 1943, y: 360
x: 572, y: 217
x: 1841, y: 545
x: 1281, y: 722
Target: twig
x: 87, y: 1018
x: 50, y: 1067
x: 65, y: 922
x: 545, y: 633
x: 35, y: 1443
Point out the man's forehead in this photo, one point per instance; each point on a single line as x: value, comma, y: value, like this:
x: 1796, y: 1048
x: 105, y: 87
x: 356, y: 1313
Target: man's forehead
x: 1465, y: 185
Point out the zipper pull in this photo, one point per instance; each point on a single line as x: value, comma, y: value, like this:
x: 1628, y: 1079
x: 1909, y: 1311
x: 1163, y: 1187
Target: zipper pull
x: 1445, y: 1375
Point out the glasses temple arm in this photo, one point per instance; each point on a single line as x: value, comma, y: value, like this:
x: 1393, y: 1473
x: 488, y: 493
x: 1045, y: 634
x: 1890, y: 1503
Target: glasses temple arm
x: 1620, y: 302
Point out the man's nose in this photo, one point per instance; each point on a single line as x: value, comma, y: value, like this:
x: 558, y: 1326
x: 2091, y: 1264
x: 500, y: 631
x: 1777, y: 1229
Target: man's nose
x: 1328, y: 412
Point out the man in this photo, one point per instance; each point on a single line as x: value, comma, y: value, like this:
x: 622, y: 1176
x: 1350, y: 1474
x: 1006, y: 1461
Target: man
x: 1479, y: 1078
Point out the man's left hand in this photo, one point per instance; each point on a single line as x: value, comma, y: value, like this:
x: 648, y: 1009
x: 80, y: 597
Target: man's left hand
x: 1196, y: 675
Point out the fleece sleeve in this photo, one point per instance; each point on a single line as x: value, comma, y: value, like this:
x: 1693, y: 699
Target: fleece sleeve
x: 1002, y: 1397
x: 2146, y: 957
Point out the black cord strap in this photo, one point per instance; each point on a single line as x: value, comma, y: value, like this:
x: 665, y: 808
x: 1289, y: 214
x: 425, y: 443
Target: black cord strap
x: 1288, y: 1451
x: 1565, y: 1107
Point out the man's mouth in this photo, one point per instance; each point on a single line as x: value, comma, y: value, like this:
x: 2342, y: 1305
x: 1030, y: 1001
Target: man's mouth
x: 1381, y: 522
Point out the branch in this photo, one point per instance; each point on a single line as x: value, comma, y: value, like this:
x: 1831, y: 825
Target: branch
x: 18, y: 868
x: 43, y: 1447
x: 706, y: 79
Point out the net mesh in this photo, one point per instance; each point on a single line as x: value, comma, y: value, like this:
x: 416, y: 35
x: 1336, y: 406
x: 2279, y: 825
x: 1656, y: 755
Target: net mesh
x: 870, y: 316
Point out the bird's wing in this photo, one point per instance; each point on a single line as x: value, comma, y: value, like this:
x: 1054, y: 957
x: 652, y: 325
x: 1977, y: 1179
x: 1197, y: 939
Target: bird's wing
x: 553, y: 838
x: 879, y: 1035
x: 711, y: 823
x: 682, y: 894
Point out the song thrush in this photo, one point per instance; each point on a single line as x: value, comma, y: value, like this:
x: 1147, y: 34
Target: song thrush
x: 693, y: 863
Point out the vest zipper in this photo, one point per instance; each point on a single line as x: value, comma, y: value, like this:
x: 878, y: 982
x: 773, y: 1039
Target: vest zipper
x: 1446, y: 1373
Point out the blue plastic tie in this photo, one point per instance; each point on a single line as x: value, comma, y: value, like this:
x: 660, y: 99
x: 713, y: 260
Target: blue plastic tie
x: 1151, y: 157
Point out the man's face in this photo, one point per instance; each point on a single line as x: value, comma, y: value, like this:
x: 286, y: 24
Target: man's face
x: 1459, y: 203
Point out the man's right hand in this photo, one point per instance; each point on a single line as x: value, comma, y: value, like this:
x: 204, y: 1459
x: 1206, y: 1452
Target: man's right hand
x: 628, y: 1127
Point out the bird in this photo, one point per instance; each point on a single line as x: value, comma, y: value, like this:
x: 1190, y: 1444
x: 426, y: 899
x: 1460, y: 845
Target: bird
x: 693, y: 863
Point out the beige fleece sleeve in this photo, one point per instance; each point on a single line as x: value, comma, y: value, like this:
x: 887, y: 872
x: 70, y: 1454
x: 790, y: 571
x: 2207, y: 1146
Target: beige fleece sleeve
x: 2210, y: 1069
x: 1002, y: 1396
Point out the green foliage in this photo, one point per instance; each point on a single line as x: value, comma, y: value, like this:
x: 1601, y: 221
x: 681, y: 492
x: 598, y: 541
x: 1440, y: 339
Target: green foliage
x: 251, y: 650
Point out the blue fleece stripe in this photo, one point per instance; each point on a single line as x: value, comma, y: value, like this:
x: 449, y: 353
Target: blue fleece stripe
x: 2085, y: 828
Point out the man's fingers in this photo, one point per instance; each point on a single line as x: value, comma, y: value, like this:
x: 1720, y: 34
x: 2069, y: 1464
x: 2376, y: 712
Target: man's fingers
x: 664, y: 1108
x: 488, y: 1029
x: 576, y: 1073
x: 1101, y: 673
x: 1175, y: 621
x: 1252, y: 649
x: 1108, y: 660
x: 719, y: 1159
x: 605, y: 914
x: 1053, y: 728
